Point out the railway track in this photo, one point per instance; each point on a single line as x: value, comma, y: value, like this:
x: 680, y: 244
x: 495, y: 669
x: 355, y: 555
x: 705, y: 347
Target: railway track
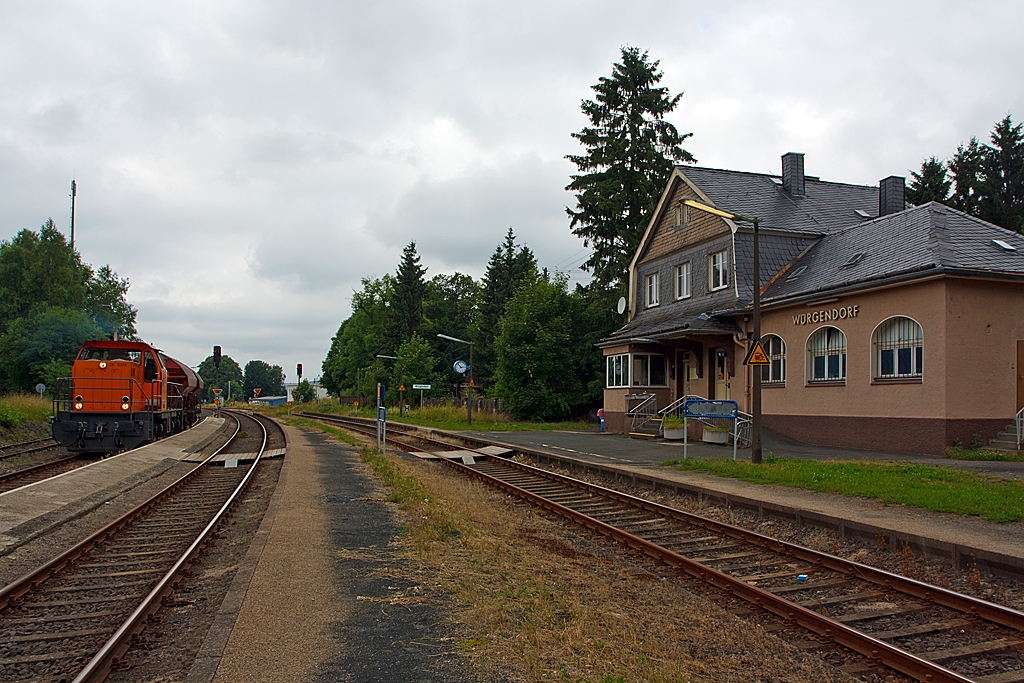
x: 75, y: 617
x: 925, y: 632
x: 25, y: 447
x: 35, y: 473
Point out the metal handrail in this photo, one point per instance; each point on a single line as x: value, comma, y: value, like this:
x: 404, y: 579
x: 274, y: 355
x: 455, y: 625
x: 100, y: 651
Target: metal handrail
x: 743, y: 420
x: 642, y: 413
x: 1019, y: 421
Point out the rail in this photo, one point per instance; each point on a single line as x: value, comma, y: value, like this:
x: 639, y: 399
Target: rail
x: 828, y: 630
x: 101, y: 664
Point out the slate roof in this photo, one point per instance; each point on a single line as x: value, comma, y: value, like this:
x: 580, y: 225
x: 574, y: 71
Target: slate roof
x: 918, y: 241
x: 656, y: 323
x: 776, y: 251
x: 825, y: 208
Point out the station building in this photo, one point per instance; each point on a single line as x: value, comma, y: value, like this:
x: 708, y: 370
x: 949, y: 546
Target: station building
x: 889, y: 326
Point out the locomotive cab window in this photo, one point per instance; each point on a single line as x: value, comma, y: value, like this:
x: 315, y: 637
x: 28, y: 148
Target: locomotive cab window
x: 110, y: 354
x: 150, y: 371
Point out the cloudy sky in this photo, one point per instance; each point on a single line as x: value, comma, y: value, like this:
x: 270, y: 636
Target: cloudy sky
x: 244, y: 164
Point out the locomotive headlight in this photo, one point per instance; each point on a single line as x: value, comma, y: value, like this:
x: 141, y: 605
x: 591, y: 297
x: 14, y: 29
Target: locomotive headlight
x: 78, y: 405
x: 124, y: 406
x: 125, y: 403
x: 103, y: 364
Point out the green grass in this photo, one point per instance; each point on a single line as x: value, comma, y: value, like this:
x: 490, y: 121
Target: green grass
x: 453, y: 419
x: 18, y: 408
x: 960, y: 453
x: 941, y: 489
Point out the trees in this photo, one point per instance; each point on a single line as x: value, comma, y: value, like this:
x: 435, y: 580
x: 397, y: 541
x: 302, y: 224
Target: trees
x: 359, y: 339
x: 36, y: 347
x: 268, y: 378
x: 988, y: 180
x: 218, y: 378
x: 630, y: 150
x: 306, y: 392
x: 405, y: 312
x: 1002, y: 200
x: 451, y: 307
x: 930, y: 185
x: 508, y: 269
x: 541, y: 346
x: 50, y: 302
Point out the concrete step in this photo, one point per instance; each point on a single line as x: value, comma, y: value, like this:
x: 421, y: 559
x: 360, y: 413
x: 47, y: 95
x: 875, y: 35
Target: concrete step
x: 1008, y: 445
x: 643, y: 435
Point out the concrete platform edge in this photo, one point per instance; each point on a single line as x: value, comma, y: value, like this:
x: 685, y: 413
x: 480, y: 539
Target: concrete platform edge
x: 206, y: 663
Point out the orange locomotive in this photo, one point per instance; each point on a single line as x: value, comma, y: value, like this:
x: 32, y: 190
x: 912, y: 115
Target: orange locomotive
x: 122, y: 394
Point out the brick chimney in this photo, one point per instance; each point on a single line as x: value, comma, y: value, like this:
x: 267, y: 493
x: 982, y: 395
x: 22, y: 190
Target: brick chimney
x: 890, y: 195
x: 793, y: 173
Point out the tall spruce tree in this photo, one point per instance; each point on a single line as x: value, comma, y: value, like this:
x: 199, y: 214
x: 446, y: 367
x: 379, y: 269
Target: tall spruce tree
x: 930, y: 185
x: 630, y: 150
x: 405, y: 313
x: 988, y: 180
x: 509, y: 268
x: 1002, y: 200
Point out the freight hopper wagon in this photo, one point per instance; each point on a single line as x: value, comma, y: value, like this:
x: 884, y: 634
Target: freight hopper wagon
x: 122, y: 394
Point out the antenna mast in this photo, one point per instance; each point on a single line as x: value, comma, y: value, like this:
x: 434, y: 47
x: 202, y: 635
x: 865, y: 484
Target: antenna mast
x: 74, y: 191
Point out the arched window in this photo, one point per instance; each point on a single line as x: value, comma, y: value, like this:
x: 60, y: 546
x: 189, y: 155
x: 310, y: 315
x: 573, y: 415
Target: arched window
x: 776, y: 350
x: 826, y: 355
x: 898, y: 349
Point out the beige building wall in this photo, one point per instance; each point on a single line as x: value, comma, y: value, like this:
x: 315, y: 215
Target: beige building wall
x: 861, y: 396
x: 986, y: 319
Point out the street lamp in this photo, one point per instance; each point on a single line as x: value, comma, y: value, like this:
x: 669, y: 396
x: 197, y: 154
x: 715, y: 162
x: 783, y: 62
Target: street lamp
x: 755, y: 422
x: 401, y: 376
x: 469, y: 398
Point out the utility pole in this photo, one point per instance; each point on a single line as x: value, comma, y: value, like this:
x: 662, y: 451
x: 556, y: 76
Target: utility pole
x: 74, y: 191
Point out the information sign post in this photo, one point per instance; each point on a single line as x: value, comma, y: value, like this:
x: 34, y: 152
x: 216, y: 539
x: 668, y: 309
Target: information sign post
x: 382, y: 419
x: 710, y: 409
x: 422, y: 388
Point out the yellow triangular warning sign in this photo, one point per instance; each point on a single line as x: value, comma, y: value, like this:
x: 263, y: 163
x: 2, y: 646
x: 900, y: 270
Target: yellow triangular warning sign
x: 756, y: 355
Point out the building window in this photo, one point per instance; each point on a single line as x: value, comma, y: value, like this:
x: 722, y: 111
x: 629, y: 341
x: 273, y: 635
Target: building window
x: 826, y: 356
x: 775, y: 373
x: 682, y: 216
x: 683, y: 281
x: 649, y: 370
x: 652, y: 289
x: 719, y: 270
x: 618, y: 371
x: 898, y: 349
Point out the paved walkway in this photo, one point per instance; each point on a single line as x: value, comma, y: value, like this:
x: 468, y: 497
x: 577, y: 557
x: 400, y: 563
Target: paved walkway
x: 331, y: 580
x: 620, y: 449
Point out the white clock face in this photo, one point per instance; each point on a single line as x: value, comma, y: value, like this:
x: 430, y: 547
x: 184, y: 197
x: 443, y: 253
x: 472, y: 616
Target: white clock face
x: 460, y: 366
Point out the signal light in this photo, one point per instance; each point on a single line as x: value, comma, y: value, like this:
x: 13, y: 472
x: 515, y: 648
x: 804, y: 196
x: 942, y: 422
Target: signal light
x: 216, y: 356
x: 298, y: 369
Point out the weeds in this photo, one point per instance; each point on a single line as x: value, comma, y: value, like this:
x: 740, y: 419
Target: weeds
x: 447, y: 417
x: 18, y: 408
x: 956, y: 452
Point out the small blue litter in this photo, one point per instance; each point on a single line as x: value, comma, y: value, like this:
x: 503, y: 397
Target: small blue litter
x: 801, y: 577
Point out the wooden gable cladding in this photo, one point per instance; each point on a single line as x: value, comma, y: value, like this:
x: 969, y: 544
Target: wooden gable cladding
x: 668, y: 238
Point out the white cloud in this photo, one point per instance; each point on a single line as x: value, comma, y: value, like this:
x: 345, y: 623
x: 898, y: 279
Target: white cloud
x: 244, y: 164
